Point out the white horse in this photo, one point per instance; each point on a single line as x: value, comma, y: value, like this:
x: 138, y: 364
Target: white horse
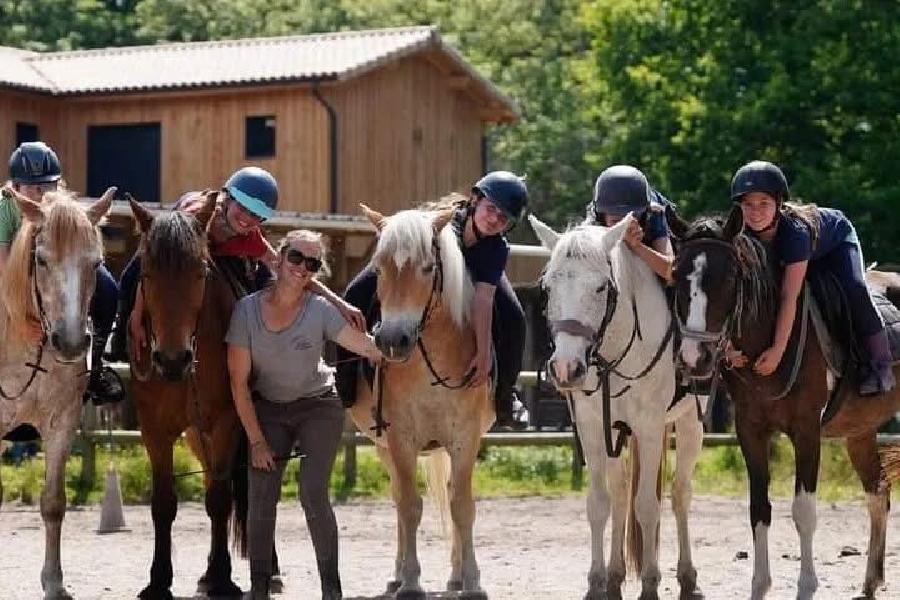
x: 611, y: 330
x: 49, y: 279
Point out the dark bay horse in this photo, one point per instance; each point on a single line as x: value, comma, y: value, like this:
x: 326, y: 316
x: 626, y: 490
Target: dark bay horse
x: 728, y: 289
x: 183, y: 386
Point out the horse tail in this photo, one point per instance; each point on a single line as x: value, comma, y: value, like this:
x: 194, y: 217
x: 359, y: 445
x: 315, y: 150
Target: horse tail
x: 437, y: 467
x: 890, y: 464
x: 240, y: 486
x: 634, y: 538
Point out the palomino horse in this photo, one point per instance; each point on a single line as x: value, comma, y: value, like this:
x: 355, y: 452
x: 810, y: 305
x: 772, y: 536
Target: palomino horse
x: 726, y: 289
x: 425, y: 294
x: 49, y: 280
x: 612, y: 333
x: 186, y: 387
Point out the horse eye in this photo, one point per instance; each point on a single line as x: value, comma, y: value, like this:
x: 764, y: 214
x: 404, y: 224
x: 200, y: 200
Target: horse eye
x: 41, y: 261
x: 428, y: 269
x: 97, y: 264
x: 601, y: 289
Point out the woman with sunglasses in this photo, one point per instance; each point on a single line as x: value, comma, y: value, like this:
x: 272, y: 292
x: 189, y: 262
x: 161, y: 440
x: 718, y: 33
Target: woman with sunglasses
x: 284, y: 395
x: 494, y: 206
x: 247, y: 199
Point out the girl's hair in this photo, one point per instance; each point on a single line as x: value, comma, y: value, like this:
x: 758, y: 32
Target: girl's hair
x: 808, y: 214
x: 305, y: 235
x: 451, y: 200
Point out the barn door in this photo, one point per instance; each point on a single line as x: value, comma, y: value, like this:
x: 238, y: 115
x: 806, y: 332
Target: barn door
x: 126, y: 156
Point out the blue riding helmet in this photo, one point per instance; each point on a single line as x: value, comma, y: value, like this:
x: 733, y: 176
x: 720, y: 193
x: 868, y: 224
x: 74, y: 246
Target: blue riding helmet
x: 34, y: 162
x: 619, y: 190
x: 760, y: 176
x: 507, y: 191
x: 255, y: 189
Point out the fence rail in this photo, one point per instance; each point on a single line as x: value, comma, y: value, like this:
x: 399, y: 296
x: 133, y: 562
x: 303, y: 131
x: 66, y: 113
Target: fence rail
x: 87, y: 442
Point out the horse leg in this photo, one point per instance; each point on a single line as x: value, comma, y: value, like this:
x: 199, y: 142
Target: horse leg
x: 462, y: 509
x: 863, y: 451
x: 807, y: 446
x: 755, y: 448
x: 53, y: 508
x: 689, y: 442
x: 163, y: 508
x: 647, y: 508
x: 394, y: 584
x: 617, y: 479
x: 220, y: 448
x: 409, y: 509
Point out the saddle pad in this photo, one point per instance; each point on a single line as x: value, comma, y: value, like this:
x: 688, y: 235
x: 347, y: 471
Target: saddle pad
x: 890, y: 314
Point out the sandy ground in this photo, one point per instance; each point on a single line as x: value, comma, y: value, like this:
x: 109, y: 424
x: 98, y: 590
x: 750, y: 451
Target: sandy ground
x: 534, y: 548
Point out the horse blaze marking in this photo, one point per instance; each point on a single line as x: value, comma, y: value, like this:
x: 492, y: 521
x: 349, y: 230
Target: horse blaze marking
x: 696, y: 318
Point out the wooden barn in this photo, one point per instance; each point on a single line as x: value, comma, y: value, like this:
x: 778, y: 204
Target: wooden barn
x: 390, y: 117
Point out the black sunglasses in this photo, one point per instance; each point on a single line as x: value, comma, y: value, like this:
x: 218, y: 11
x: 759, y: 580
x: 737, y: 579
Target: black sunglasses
x: 295, y: 257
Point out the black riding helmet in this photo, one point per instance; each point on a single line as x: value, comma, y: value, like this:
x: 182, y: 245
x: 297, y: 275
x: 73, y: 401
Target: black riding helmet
x: 255, y: 189
x: 619, y: 190
x: 507, y: 191
x: 760, y: 176
x: 33, y: 163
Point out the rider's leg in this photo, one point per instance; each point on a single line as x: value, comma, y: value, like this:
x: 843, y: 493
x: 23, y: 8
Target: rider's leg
x: 128, y: 284
x: 103, y: 385
x: 361, y: 294
x: 509, y: 343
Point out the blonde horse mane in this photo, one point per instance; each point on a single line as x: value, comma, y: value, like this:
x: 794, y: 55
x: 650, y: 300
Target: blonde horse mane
x: 65, y: 226
x: 408, y: 236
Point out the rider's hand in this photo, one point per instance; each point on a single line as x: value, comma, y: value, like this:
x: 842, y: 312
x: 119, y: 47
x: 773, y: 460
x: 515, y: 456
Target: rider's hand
x: 768, y: 361
x: 734, y: 357
x: 136, y: 330
x: 480, y: 367
x: 352, y: 315
x: 261, y: 455
x: 634, y: 235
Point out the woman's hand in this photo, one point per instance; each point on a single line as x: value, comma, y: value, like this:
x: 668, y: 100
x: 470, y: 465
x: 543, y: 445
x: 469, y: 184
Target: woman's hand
x: 261, y: 455
x: 480, y: 368
x: 768, y: 361
x: 352, y: 315
x: 734, y: 357
x: 634, y: 235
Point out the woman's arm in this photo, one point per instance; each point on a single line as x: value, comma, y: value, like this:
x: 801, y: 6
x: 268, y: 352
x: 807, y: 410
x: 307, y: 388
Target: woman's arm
x: 358, y: 342
x: 659, y: 257
x: 239, y: 373
x: 482, y: 315
x: 791, y: 285
x: 350, y: 313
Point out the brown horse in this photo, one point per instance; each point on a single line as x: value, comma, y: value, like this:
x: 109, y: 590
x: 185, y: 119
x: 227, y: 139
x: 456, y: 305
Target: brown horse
x: 425, y: 295
x: 727, y: 289
x: 49, y: 280
x: 186, y: 386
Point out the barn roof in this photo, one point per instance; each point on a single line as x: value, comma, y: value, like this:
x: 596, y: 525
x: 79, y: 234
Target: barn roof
x: 246, y: 62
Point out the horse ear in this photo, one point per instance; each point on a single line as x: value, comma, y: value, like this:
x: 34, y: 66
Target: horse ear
x: 143, y: 216
x: 441, y: 220
x: 544, y: 232
x: 100, y: 207
x: 615, y: 233
x: 678, y: 226
x: 734, y: 224
x: 374, y: 216
x: 31, y: 210
x: 209, y: 207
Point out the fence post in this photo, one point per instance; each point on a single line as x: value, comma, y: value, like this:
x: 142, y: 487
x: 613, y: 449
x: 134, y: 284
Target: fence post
x: 88, y: 462
x: 349, y: 465
x: 577, y: 467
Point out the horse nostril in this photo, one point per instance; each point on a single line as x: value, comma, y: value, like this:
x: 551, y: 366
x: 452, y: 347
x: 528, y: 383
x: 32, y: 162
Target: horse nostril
x: 157, y: 357
x: 579, y: 371
x: 188, y: 357
x: 404, y: 340
x: 86, y: 341
x: 54, y: 339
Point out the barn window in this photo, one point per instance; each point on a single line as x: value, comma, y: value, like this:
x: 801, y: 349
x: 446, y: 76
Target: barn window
x: 26, y: 132
x: 260, y: 137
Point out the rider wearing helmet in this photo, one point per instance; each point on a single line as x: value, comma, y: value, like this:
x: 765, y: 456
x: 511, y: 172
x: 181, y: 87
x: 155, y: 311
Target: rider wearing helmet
x: 807, y: 236
x: 35, y: 169
x: 623, y: 189
x: 495, y: 204
x: 248, y: 197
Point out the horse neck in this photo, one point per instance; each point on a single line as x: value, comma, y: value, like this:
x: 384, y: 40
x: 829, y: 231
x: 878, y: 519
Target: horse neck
x: 215, y: 312
x: 639, y: 293
x: 756, y: 315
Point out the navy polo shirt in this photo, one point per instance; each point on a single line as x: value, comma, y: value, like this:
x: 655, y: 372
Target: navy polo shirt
x: 793, y: 240
x: 486, y: 258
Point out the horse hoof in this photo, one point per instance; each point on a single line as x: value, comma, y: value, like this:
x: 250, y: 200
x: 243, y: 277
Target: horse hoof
x: 152, y: 593
x: 224, y: 589
x: 61, y: 594
x: 276, y: 585
x: 474, y: 595
x: 410, y: 595
x: 454, y: 585
x: 691, y: 594
x: 649, y: 595
x: 393, y: 585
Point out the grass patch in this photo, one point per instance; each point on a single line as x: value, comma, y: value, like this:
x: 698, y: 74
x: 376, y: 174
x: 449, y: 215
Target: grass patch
x: 500, y: 471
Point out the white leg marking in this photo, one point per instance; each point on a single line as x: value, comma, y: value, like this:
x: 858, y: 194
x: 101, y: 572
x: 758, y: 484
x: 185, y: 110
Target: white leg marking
x: 762, y: 579
x: 803, y: 511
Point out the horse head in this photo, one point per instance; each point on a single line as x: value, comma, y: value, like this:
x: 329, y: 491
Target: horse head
x: 708, y: 277
x: 581, y: 295
x: 420, y: 268
x: 52, y: 268
x: 174, y: 268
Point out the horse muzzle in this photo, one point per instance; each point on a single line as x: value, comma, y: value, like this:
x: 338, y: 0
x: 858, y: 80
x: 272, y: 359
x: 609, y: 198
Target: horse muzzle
x: 567, y: 375
x: 696, y: 360
x: 173, y: 366
x: 69, y: 346
x: 395, y: 343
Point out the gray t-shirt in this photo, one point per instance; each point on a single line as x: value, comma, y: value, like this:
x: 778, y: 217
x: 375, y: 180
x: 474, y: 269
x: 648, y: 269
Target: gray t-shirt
x: 287, y: 365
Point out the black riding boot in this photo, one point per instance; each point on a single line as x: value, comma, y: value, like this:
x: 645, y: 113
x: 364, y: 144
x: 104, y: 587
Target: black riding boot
x: 104, y: 385
x: 880, y: 377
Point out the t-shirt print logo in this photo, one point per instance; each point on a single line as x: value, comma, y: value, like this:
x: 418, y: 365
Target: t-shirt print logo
x: 301, y: 342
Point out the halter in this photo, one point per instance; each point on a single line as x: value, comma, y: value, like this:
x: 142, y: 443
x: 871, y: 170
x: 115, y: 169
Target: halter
x: 45, y: 325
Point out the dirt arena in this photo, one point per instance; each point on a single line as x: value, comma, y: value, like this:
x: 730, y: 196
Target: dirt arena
x: 534, y: 548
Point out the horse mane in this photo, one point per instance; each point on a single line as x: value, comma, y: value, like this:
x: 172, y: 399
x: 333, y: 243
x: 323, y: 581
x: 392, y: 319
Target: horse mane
x: 408, y: 236
x: 759, y: 284
x: 65, y: 225
x: 174, y: 243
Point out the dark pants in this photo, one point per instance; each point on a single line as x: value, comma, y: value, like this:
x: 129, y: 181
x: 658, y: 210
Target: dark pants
x: 314, y: 426
x: 508, y: 333
x: 103, y: 303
